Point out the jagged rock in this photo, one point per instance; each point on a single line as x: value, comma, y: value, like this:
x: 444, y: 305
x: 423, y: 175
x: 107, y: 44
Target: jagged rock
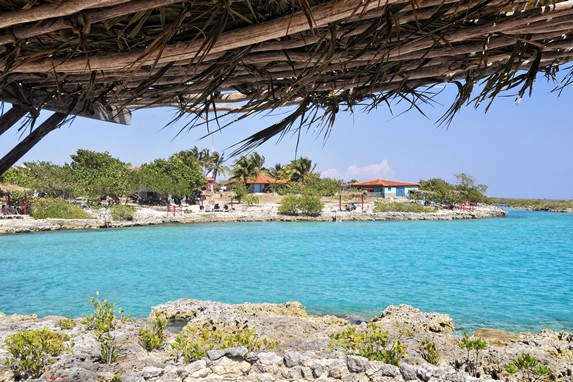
x: 337, y: 368
x: 495, y: 336
x: 293, y: 358
x: 428, y: 322
x: 409, y: 373
x: 228, y: 367
x: 356, y: 364
x: 197, y: 369
x: 236, y: 352
x: 149, y: 372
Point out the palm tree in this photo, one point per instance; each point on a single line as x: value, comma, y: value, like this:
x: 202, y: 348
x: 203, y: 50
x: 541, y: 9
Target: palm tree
x: 300, y: 169
x: 241, y: 170
x: 277, y: 171
x: 216, y: 166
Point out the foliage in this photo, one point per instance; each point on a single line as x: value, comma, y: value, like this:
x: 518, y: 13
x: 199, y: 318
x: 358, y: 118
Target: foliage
x: 33, y: 350
x: 99, y: 174
x: 194, y: 342
x: 371, y: 343
x: 307, y: 205
x: 473, y: 192
x: 247, y: 167
x: 66, y: 323
x: 443, y: 191
x: 116, y: 378
x: 239, y: 190
x: 179, y: 175
x: 121, y: 212
x: 45, y: 177
x: 154, y: 336
x: 530, y: 368
x: 251, y: 199
x: 315, y: 185
x: 300, y: 169
x: 103, y: 322
x: 402, y: 207
x: 45, y: 208
x: 537, y: 204
x: 429, y: 351
x: 472, y: 343
x: 289, y: 205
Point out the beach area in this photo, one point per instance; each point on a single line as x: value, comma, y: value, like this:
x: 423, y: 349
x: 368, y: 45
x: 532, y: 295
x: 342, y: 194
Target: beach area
x: 266, y: 210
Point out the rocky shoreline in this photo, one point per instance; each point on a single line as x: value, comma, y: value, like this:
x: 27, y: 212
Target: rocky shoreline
x: 150, y: 216
x: 302, y: 348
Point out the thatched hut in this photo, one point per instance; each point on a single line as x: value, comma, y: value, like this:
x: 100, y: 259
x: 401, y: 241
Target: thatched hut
x: 232, y: 59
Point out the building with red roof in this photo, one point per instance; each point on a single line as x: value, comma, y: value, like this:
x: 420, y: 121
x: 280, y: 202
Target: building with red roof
x: 386, y: 188
x: 262, y: 181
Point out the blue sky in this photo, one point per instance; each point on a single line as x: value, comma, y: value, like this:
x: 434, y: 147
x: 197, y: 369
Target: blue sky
x: 517, y: 150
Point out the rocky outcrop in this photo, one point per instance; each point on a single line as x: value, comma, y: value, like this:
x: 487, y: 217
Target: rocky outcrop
x: 160, y: 217
x: 303, y: 352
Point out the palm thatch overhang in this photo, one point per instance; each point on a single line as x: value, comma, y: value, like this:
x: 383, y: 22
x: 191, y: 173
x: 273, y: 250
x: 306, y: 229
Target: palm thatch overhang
x: 226, y: 60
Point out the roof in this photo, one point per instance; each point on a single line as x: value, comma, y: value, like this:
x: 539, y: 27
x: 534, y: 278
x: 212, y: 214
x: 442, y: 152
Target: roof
x: 265, y: 179
x: 383, y: 183
x: 104, y: 59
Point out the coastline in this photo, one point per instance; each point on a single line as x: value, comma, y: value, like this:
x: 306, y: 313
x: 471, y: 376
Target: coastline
x: 156, y: 216
x: 302, y: 348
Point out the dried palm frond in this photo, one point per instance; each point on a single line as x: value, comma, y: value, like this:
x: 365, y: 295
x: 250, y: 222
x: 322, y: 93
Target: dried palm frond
x: 226, y: 60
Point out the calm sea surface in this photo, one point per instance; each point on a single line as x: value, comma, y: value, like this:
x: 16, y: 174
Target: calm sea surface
x: 511, y: 273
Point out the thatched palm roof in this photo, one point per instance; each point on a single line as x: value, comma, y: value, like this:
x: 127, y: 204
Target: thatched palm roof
x: 229, y: 59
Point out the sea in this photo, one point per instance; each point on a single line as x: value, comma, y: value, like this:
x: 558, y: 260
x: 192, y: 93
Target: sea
x: 513, y: 273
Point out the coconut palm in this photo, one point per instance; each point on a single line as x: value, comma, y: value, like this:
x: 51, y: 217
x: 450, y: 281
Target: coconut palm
x: 300, y: 169
x: 215, y: 166
x: 248, y: 167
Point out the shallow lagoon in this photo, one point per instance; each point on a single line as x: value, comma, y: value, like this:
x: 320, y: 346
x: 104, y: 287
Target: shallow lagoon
x: 512, y: 273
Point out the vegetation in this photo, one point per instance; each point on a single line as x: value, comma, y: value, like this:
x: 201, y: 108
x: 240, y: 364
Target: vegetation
x: 530, y: 368
x: 537, y: 204
x: 45, y: 208
x: 251, y: 199
x: 33, y: 350
x: 247, y: 167
x: 306, y: 205
x: 472, y: 343
x: 121, y: 212
x: 465, y: 189
x: 66, y: 324
x: 239, y: 191
x: 194, y: 342
x: 372, y: 343
x: 153, y: 337
x: 429, y: 351
x: 401, y: 207
x: 103, y: 322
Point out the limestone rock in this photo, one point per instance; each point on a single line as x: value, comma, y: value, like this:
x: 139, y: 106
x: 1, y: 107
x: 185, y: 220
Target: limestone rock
x: 236, y: 352
x: 428, y: 322
x: 356, y: 364
x: 227, y: 367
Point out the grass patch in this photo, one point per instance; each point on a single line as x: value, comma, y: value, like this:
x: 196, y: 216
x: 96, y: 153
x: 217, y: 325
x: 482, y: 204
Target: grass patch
x: 537, y: 204
x: 120, y: 212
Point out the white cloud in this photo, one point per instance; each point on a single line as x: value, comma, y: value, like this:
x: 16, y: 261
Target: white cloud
x: 377, y: 170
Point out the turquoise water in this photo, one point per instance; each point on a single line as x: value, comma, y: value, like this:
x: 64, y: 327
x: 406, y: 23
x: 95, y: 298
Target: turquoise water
x: 512, y: 273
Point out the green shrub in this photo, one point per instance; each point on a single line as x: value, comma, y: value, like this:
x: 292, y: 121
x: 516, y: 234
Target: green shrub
x: 310, y: 205
x: 103, y: 322
x: 305, y: 205
x: 45, y: 208
x: 121, y: 212
x: 194, y: 342
x: 154, y: 337
x: 289, y: 205
x: 66, y: 324
x: 251, y: 199
x: 33, y: 350
x: 371, y: 343
x: 472, y: 343
x: 531, y: 369
x: 429, y: 351
x: 401, y: 207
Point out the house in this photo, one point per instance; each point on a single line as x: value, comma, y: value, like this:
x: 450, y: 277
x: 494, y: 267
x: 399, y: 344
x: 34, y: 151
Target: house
x: 262, y: 182
x: 386, y: 188
x: 210, y: 186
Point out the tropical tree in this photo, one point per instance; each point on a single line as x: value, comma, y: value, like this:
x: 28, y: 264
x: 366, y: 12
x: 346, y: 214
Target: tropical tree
x: 443, y: 191
x: 99, y: 174
x: 300, y: 169
x: 467, y: 184
x: 215, y: 165
x: 247, y: 167
x: 278, y: 171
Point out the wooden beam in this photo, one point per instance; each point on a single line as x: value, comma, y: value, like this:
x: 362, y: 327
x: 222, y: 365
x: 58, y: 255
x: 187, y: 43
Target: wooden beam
x: 30, y: 141
x: 8, y: 119
x: 48, y: 11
